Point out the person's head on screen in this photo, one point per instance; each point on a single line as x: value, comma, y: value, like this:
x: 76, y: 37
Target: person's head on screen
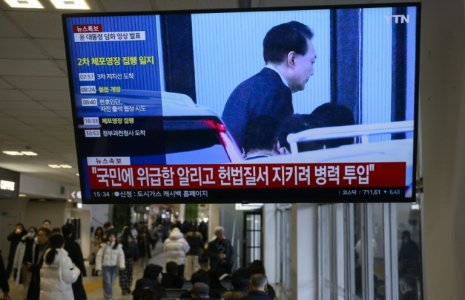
x: 258, y: 282
x: 261, y: 138
x: 288, y: 47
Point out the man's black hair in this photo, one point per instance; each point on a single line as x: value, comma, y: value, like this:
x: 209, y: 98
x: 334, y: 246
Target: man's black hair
x: 284, y: 38
x: 200, y: 276
x: 261, y: 134
x: 107, y: 224
x: 67, y: 229
x: 332, y: 114
x: 47, y: 231
x: 240, y: 279
x: 46, y: 220
x: 171, y: 267
x: 152, y: 271
x: 406, y: 233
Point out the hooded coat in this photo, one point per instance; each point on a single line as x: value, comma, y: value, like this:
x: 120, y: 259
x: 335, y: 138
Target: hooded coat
x: 176, y: 247
x: 56, y: 279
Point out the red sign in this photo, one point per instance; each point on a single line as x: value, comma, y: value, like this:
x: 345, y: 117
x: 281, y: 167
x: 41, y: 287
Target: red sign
x: 87, y: 28
x: 343, y: 175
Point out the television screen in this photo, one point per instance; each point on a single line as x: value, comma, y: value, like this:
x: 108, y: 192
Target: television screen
x: 266, y: 105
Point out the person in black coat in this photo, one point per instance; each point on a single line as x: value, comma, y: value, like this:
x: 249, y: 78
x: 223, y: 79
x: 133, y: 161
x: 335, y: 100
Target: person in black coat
x: 257, y: 267
x: 131, y: 253
x: 150, y: 281
x: 258, y: 285
x: 220, y: 252
x: 43, y: 244
x: 289, y: 56
x: 144, y: 242
x: 171, y: 279
x: 75, y: 253
x: 3, y: 280
x: 14, y: 238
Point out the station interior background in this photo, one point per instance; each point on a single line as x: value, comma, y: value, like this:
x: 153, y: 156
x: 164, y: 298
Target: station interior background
x: 35, y: 115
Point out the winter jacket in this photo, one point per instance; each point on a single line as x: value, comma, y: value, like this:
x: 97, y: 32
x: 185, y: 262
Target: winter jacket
x: 176, y: 247
x: 56, y: 278
x: 95, y: 244
x: 14, y: 239
x: 144, y: 241
x: 75, y: 254
x: 109, y: 257
x: 19, y: 255
x: 130, y: 249
x: 195, y: 240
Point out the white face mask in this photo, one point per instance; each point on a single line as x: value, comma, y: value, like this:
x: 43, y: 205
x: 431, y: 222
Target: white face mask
x: 31, y: 235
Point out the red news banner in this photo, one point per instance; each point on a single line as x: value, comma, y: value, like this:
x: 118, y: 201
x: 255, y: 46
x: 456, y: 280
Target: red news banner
x: 342, y: 175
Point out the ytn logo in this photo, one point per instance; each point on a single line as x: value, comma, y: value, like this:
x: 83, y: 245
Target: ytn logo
x: 398, y: 18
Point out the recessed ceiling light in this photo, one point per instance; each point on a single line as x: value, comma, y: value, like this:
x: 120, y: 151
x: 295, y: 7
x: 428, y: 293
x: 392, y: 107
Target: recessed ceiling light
x: 60, y: 166
x: 12, y: 153
x: 70, y: 4
x: 22, y: 195
x: 54, y: 166
x: 27, y: 153
x: 66, y: 166
x: 24, y: 3
x: 77, y: 174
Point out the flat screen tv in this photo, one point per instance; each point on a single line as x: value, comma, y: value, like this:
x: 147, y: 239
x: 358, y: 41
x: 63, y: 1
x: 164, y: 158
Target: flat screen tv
x: 301, y: 104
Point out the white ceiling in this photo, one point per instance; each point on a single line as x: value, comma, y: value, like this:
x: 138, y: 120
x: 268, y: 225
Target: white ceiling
x: 35, y: 106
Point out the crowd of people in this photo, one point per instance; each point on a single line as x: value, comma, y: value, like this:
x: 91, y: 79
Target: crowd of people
x: 50, y: 264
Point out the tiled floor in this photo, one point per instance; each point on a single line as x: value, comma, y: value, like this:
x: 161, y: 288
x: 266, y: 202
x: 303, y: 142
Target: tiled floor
x: 93, y: 285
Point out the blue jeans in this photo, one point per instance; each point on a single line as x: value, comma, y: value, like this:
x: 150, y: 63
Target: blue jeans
x: 109, y: 276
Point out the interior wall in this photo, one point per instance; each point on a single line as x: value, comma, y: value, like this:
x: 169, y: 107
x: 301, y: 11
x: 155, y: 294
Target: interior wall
x: 37, y: 211
x: 85, y: 216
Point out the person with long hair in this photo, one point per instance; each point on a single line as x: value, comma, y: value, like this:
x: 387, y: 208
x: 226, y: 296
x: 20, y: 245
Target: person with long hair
x: 75, y: 253
x: 144, y: 241
x: 97, y: 239
x: 24, y: 254
x: 58, y: 272
x: 110, y: 258
x: 130, y: 256
x: 151, y: 280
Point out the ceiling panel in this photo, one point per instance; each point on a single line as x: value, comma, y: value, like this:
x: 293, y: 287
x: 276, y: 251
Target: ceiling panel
x: 65, y: 114
x: 21, y: 105
x: 39, y: 83
x: 63, y: 64
x: 54, y: 47
x: 29, y: 67
x: 62, y: 105
x: 13, y: 95
x: 8, y: 29
x: 48, y: 95
x: 20, y: 48
x: 13, y: 130
x: 31, y: 113
x: 124, y: 5
x: 39, y: 24
x: 4, y: 85
x: 44, y: 121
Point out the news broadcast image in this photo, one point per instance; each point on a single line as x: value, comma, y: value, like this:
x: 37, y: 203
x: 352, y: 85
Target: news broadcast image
x: 205, y: 107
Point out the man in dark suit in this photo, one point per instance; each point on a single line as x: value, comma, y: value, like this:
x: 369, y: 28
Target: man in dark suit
x: 220, y: 252
x: 289, y: 56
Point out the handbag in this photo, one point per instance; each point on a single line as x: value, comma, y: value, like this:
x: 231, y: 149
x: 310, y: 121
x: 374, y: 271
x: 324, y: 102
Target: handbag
x: 91, y: 259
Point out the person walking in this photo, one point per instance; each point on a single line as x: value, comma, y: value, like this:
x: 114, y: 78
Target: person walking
x: 75, y: 253
x: 14, y: 238
x: 97, y: 240
x: 131, y: 253
x: 110, y: 258
x: 176, y: 248
x: 24, y: 254
x: 43, y: 243
x: 195, y: 240
x: 58, y: 273
x: 144, y: 242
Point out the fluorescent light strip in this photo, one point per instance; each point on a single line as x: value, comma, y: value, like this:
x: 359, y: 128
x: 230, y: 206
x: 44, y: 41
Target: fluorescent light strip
x: 24, y: 3
x: 70, y: 4
x: 60, y: 166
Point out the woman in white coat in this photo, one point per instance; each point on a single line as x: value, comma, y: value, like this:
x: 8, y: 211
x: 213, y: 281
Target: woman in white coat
x: 176, y: 247
x: 58, y: 272
x: 110, y: 258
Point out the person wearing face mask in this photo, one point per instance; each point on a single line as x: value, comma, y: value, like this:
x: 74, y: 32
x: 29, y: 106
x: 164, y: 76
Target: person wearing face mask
x: 14, y: 237
x: 23, y: 255
x: 110, y: 257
